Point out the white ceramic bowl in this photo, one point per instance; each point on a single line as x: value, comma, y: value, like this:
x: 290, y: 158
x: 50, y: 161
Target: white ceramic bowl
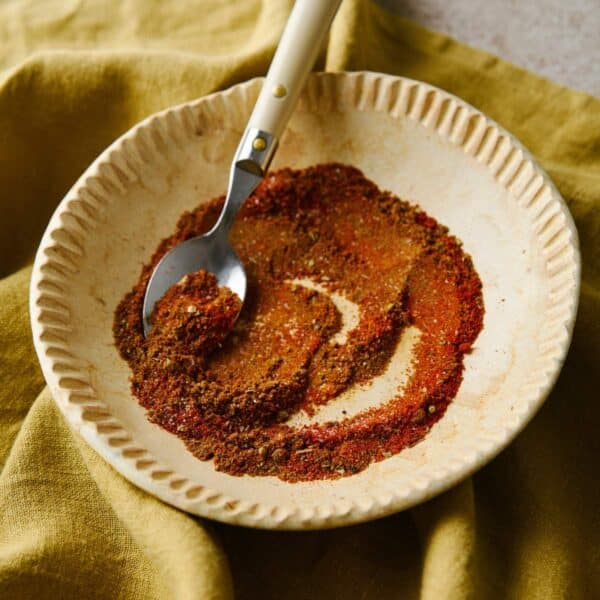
x: 422, y: 143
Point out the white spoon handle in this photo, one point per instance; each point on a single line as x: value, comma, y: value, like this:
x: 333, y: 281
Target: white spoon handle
x: 295, y: 56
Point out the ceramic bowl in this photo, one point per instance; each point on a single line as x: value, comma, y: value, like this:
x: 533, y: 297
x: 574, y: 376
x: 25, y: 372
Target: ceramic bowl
x: 422, y: 143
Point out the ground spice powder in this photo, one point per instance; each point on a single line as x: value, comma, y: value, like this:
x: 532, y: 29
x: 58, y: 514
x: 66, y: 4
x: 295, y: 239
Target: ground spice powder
x: 229, y: 387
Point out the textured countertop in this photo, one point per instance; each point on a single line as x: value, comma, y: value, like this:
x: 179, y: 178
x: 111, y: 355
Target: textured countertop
x: 556, y: 39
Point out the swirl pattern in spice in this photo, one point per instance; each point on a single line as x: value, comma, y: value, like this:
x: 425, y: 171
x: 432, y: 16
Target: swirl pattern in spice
x: 230, y: 388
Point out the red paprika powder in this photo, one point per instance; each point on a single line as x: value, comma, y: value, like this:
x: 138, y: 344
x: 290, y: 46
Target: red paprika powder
x: 229, y: 387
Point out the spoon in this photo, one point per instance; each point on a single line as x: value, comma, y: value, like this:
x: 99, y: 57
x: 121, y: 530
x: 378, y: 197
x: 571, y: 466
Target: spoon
x: 296, y: 53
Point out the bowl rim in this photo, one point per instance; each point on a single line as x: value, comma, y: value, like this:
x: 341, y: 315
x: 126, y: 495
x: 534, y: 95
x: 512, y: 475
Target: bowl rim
x: 46, y: 335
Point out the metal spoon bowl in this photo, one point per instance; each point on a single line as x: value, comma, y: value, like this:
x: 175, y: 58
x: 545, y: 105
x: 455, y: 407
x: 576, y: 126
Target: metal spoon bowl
x: 206, y: 252
x: 210, y: 252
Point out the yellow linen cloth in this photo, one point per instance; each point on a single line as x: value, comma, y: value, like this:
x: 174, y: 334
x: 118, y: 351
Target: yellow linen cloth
x: 74, y: 75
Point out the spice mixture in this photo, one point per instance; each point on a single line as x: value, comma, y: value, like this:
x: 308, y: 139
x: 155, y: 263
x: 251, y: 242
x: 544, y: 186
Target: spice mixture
x: 228, y: 387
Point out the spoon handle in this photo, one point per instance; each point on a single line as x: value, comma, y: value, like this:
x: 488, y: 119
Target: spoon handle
x: 295, y: 56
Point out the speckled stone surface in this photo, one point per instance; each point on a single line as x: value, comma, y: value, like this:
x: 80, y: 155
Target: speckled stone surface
x: 556, y: 39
